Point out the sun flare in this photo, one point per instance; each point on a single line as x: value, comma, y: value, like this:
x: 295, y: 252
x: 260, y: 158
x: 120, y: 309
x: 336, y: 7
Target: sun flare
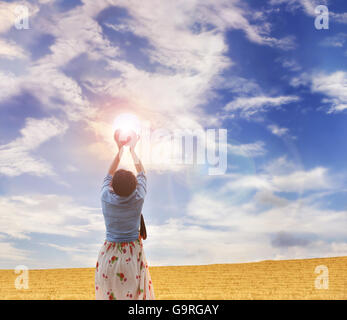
x: 127, y: 122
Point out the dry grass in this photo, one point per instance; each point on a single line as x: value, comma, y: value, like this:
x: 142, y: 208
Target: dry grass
x: 287, y: 279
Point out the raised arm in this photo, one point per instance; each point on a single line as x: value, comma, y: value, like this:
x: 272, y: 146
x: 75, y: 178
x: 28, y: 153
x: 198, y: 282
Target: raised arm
x: 137, y: 162
x: 141, y: 177
x: 116, y: 160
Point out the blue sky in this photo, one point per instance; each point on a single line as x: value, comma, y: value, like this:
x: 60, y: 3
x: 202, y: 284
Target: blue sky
x: 259, y: 69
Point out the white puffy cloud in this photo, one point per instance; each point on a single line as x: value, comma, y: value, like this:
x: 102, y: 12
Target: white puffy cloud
x: 290, y: 64
x: 10, y: 254
x: 239, y: 85
x: 79, y: 254
x: 297, y: 181
x: 51, y: 87
x: 248, y: 149
x: 7, y: 16
x: 334, y: 86
x: 8, y: 85
x: 75, y: 33
x: 24, y: 215
x: 224, y: 224
x: 267, y: 197
x: 215, y: 231
x: 201, y: 245
x: 11, y: 50
x: 337, y: 40
x: 15, y: 156
x: 248, y: 106
x: 280, y: 166
x: 314, y: 179
x: 278, y: 131
x: 339, y: 17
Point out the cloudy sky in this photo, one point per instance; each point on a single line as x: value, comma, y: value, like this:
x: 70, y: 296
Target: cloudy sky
x: 259, y: 69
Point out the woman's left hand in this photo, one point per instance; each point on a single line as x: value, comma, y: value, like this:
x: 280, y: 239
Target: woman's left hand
x: 120, y: 144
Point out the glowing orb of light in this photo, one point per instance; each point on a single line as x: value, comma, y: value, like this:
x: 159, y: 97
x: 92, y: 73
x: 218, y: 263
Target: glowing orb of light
x: 128, y: 126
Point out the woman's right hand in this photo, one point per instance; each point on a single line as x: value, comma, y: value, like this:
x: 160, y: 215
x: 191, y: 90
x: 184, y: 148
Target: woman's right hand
x: 120, y: 144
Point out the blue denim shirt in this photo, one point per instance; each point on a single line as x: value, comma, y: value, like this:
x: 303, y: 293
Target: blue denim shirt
x: 122, y: 214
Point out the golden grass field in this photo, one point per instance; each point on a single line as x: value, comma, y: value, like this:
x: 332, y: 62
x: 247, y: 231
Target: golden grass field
x: 281, y: 279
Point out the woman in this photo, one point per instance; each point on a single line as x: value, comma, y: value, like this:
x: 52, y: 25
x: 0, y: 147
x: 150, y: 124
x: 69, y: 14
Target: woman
x: 122, y: 270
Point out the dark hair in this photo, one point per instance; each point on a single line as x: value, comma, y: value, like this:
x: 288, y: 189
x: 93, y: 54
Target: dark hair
x: 124, y: 182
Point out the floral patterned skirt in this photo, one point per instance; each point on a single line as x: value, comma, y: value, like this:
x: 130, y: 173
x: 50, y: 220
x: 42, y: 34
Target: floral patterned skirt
x: 122, y: 272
